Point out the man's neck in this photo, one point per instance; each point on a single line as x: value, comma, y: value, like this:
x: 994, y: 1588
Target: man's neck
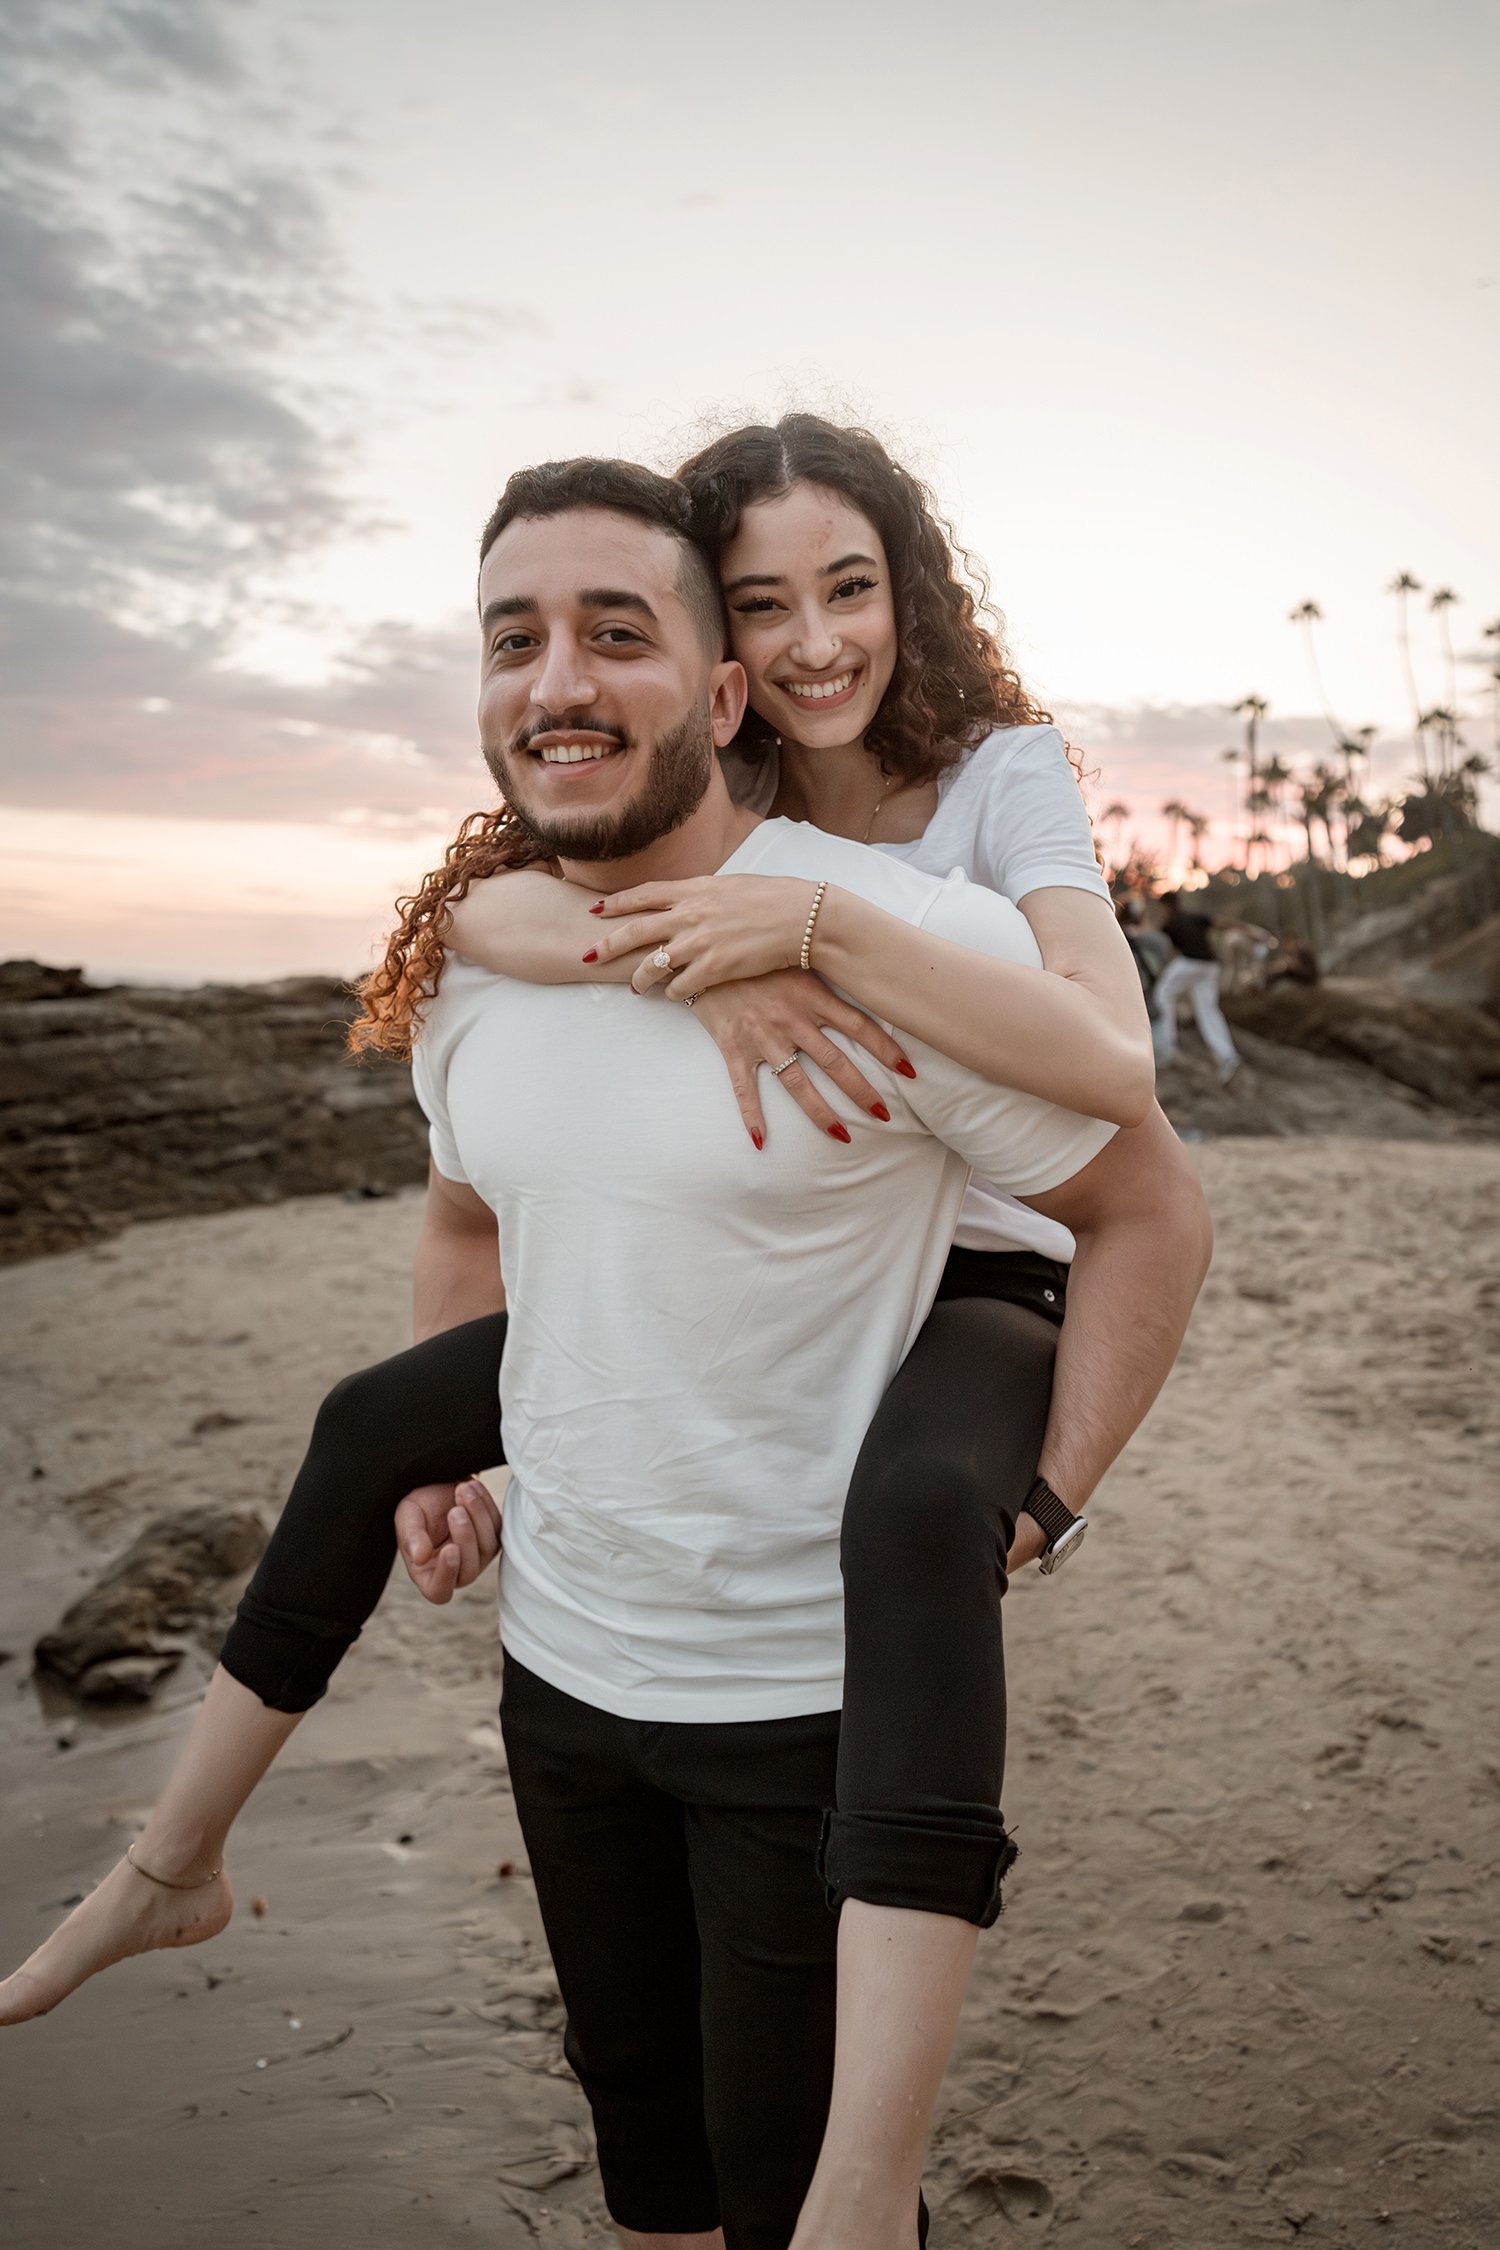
x: 699, y: 847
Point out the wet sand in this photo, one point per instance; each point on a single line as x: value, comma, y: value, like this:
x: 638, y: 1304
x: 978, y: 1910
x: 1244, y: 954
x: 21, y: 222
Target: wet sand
x: 1244, y: 1989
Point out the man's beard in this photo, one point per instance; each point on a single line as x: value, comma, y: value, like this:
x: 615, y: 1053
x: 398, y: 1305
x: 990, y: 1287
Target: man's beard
x: 675, y: 786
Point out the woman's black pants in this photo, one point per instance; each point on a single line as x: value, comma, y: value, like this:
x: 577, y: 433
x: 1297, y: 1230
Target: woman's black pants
x: 941, y: 1476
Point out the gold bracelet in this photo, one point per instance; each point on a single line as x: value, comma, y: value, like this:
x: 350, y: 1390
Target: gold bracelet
x: 162, y: 1879
x: 805, y: 957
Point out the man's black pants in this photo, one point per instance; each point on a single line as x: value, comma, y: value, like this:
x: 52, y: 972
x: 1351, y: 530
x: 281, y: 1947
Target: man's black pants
x: 676, y: 1871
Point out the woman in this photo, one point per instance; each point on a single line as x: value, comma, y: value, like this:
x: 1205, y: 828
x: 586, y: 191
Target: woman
x: 877, y: 694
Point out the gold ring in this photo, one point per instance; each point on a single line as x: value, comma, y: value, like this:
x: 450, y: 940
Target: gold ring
x: 791, y: 1058
x: 661, y: 958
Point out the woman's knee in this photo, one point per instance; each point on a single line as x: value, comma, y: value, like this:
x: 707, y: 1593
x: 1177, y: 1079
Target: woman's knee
x: 363, y: 1415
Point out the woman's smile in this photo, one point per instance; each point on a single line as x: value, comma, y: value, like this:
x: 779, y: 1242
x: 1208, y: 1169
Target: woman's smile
x: 830, y: 693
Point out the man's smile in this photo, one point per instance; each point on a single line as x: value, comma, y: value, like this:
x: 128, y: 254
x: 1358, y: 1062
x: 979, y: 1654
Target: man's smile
x: 574, y: 747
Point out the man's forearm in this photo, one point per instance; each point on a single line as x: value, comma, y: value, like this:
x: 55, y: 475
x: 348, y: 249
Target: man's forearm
x: 454, y: 1278
x: 1130, y: 1294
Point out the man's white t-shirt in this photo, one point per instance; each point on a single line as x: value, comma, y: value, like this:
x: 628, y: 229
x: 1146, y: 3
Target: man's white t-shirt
x: 1010, y: 815
x: 700, y: 1333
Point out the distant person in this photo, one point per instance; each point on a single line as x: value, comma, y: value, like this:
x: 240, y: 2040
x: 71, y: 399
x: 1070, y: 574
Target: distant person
x: 1194, y: 970
x: 1148, y: 948
x: 1293, y: 962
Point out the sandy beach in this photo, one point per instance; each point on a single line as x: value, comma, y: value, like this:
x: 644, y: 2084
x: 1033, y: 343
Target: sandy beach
x: 1244, y: 1990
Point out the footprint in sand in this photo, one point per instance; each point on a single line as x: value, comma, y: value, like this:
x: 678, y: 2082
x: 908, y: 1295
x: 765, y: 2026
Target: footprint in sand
x: 985, y: 2196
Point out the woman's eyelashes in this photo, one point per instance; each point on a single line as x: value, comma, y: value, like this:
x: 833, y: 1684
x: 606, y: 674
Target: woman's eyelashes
x: 761, y: 605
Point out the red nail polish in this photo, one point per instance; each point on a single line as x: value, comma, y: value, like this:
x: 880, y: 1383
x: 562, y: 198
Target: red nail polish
x: 759, y: 1139
x: 878, y: 1109
x: 597, y: 907
x: 838, y: 1132
x: 592, y: 953
x: 905, y: 1068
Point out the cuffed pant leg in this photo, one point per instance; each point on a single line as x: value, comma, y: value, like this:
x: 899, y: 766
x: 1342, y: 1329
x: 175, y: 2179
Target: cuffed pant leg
x: 942, y: 1474
x: 609, y: 1858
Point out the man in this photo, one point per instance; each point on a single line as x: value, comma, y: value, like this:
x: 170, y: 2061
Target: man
x: 699, y: 1335
x: 1194, y: 970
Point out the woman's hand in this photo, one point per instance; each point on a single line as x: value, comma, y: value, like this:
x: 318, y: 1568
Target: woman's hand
x: 759, y: 1022
x: 716, y: 928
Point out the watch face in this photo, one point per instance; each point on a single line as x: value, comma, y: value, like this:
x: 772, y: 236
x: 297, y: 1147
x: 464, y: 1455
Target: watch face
x: 1058, y: 1553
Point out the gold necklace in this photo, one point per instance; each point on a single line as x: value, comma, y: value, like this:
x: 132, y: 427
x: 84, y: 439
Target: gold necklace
x: 879, y: 807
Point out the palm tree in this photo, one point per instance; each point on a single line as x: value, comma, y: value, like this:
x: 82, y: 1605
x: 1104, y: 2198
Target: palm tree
x: 1326, y: 792
x: 1492, y: 633
x: 1198, y: 827
x: 1275, y: 776
x: 1440, y: 603
x: 1232, y: 759
x: 1176, y: 812
x: 1402, y: 585
x: 1253, y: 709
x: 1307, y: 615
x: 1442, y: 723
x: 1368, y: 825
x: 1355, y: 751
x: 1307, y: 805
x: 1113, y: 818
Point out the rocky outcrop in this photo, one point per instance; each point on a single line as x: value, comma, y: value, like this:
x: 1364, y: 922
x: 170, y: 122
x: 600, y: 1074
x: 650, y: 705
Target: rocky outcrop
x: 1429, y: 911
x: 124, y: 1102
x: 1445, y: 1051
x: 121, y: 1639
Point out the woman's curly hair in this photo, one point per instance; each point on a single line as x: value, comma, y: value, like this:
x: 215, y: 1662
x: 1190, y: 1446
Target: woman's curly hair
x: 953, y: 679
x: 393, y: 995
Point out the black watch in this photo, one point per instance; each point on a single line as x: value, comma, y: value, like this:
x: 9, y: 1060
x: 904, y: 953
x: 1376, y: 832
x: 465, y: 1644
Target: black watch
x: 1064, y: 1530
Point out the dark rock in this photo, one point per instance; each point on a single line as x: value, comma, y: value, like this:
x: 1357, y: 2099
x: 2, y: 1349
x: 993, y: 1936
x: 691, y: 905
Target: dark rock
x: 124, y: 1102
x: 1444, y: 1050
x: 122, y: 1638
x: 128, y: 1679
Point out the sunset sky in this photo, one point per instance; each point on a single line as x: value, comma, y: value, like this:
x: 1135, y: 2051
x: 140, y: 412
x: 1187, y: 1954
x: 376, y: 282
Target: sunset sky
x: 1187, y: 308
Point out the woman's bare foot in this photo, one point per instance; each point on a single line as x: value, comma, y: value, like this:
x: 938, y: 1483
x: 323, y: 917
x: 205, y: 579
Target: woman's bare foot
x: 128, y: 1913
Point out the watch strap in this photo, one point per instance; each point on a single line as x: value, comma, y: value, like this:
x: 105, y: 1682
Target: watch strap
x: 1044, y: 1507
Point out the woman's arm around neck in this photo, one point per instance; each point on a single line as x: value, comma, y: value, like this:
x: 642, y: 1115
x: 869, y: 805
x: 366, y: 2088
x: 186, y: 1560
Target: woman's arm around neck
x: 534, y: 927
x: 1074, y: 1032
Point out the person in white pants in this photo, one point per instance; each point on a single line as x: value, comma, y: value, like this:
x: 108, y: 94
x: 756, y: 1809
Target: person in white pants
x: 1194, y: 970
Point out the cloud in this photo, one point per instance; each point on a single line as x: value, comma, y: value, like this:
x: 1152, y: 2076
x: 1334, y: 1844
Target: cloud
x: 153, y: 460
x: 168, y: 278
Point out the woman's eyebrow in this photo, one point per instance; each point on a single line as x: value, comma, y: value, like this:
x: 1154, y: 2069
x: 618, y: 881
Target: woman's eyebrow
x: 754, y: 578
x: 774, y: 578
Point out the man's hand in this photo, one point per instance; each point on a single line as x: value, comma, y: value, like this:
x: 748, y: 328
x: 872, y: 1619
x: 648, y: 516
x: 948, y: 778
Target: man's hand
x: 1030, y: 1542
x: 448, y: 1535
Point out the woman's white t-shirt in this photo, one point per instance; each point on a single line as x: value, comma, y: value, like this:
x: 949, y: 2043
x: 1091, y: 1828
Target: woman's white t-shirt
x: 1010, y: 815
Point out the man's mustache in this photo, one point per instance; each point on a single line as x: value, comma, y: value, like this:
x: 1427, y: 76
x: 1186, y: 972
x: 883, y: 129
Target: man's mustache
x: 581, y: 724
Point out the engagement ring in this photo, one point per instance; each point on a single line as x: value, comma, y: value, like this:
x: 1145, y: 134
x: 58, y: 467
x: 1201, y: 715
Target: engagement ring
x: 661, y: 958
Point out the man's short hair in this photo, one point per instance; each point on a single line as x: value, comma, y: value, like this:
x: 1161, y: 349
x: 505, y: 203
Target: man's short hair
x: 556, y: 488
